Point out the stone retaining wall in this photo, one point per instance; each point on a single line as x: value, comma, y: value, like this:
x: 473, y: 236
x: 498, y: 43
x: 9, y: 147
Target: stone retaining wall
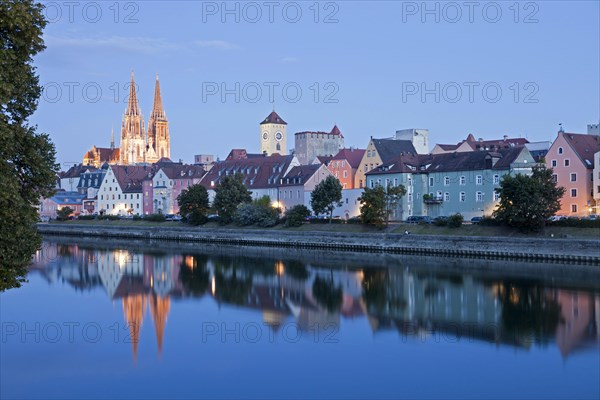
x: 556, y: 249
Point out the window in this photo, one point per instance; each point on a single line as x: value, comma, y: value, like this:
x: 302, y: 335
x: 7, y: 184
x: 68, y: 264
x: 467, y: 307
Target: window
x: 496, y: 196
x: 574, y: 208
x: 560, y: 150
x: 573, y: 177
x: 410, y: 197
x: 387, y: 183
x: 463, y: 181
x: 360, y: 183
x: 573, y: 192
x: 446, y: 181
x: 553, y: 163
x: 366, y: 167
x: 479, y: 180
x: 345, y: 174
x: 431, y: 181
x: 554, y: 178
x: 119, y: 197
x: 479, y: 196
x: 567, y: 163
x: 409, y: 181
x: 446, y: 196
x: 372, y: 183
x: 462, y: 197
x: 395, y: 181
x: 496, y: 179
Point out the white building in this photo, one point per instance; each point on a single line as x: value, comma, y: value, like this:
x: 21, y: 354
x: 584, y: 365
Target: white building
x: 121, y: 190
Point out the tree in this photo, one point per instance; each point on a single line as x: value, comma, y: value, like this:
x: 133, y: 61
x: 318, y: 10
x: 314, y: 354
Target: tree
x: 259, y: 212
x: 327, y: 294
x: 64, y: 213
x: 296, y: 215
x: 27, y: 159
x: 378, y: 203
x: 193, y: 204
x: 229, y: 194
x: 526, y: 202
x: 326, y: 196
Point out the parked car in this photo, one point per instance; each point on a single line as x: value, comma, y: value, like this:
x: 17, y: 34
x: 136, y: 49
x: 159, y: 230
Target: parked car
x: 476, y: 220
x: 44, y: 218
x: 212, y: 217
x: 172, y: 217
x: 556, y: 217
x: 592, y: 217
x: 441, y: 220
x: 417, y: 219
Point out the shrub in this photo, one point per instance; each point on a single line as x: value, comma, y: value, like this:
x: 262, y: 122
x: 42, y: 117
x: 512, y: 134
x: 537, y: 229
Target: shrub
x: 489, y: 221
x: 325, y: 221
x: 296, y: 215
x: 137, y: 217
x: 259, y: 212
x: 154, y: 217
x: 576, y: 223
x: 108, y: 217
x: 455, y: 221
x: 86, y: 217
x: 354, y: 220
x: 64, y: 213
x: 441, y: 221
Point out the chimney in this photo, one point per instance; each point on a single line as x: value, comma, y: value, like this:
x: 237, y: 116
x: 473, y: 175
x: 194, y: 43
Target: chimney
x: 505, y: 138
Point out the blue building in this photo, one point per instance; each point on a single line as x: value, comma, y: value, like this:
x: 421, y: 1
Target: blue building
x: 450, y: 183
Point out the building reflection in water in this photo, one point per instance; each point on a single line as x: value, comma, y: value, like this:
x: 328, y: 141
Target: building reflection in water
x: 416, y: 304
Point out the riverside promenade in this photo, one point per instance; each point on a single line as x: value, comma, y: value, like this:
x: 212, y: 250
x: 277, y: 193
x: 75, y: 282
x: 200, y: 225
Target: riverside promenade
x: 569, y: 250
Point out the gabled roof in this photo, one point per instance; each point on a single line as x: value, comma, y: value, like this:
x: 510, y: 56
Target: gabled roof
x: 353, y: 156
x: 406, y: 163
x: 130, y: 177
x: 324, y: 159
x: 180, y: 171
x: 92, y: 179
x: 389, y: 149
x: 336, y: 131
x: 67, y: 198
x: 75, y: 171
x: 259, y: 172
x: 300, y: 174
x: 273, y: 118
x: 584, y: 146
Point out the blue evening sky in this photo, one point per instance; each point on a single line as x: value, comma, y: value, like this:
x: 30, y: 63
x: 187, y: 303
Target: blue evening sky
x: 363, y: 65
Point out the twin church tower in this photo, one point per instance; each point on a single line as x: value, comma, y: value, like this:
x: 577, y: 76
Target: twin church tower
x: 137, y: 144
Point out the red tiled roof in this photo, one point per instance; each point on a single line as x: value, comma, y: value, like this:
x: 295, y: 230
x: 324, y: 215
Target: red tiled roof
x: 585, y: 146
x: 259, y: 172
x: 273, y: 118
x: 336, y: 131
x: 494, y: 143
x: 353, y: 156
x: 300, y: 174
x: 179, y: 171
x: 130, y: 177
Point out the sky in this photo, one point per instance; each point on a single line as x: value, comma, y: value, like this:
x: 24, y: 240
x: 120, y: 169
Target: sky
x: 371, y: 67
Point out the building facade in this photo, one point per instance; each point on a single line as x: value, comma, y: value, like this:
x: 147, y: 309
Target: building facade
x: 378, y: 152
x: 571, y: 158
x: 310, y: 145
x: 273, y: 135
x: 121, y: 190
x: 450, y: 183
x: 345, y: 164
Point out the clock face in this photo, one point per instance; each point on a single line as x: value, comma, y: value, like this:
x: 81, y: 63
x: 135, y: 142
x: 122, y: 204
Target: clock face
x: 265, y: 136
x: 278, y: 136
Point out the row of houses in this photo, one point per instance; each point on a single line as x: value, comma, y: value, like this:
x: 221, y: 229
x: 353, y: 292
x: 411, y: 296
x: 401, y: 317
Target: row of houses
x: 459, y: 178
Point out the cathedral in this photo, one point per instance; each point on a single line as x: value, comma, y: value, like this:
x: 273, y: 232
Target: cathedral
x: 138, y: 145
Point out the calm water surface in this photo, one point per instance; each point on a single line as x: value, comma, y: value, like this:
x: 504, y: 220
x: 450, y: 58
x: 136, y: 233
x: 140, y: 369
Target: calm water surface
x: 99, y: 319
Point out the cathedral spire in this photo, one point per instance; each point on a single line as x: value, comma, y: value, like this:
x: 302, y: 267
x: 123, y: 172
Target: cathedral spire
x: 112, y: 138
x: 157, y: 111
x: 132, y: 104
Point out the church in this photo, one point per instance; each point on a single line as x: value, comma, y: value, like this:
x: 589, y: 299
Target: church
x: 138, y: 145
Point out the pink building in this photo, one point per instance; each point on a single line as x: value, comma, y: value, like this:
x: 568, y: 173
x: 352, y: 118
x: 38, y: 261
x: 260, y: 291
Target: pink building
x: 571, y: 158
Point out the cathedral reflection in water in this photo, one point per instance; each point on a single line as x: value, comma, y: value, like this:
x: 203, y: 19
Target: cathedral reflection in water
x: 416, y: 304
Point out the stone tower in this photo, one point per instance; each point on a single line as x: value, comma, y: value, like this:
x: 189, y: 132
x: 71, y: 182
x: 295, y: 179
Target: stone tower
x: 159, y: 141
x: 273, y: 135
x: 133, y: 137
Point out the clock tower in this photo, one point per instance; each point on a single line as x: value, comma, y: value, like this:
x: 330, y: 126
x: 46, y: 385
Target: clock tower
x: 273, y: 135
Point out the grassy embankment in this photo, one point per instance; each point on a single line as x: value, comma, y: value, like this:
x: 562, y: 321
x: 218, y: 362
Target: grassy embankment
x: 465, y: 230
